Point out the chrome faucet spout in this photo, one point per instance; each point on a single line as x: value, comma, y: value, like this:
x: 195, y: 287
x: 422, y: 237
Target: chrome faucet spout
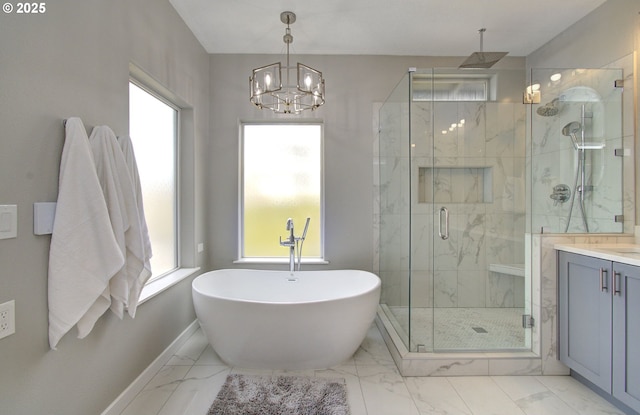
x: 292, y: 243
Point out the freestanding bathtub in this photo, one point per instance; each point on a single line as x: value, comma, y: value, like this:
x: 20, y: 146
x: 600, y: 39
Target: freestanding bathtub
x: 278, y: 320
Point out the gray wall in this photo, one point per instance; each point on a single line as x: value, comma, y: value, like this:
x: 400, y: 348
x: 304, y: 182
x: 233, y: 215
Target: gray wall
x: 603, y: 36
x: 74, y: 61
x: 354, y: 84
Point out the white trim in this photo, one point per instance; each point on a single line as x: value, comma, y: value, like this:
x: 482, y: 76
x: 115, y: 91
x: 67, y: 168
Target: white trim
x: 161, y: 94
x: 140, y: 382
x: 277, y: 261
x: 159, y: 285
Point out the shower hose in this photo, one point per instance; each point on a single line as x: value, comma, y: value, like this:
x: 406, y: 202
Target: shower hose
x: 578, y: 182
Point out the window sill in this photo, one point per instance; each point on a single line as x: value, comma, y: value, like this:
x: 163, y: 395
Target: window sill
x: 279, y: 261
x: 155, y: 287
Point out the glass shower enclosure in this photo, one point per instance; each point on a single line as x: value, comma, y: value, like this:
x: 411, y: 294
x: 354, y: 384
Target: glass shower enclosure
x: 453, y: 211
x: 471, y: 164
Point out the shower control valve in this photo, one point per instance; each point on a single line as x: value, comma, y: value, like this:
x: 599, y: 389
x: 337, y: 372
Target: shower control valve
x: 561, y: 193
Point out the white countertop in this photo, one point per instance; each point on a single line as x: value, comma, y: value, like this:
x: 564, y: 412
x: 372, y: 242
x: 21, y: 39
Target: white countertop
x: 624, y: 253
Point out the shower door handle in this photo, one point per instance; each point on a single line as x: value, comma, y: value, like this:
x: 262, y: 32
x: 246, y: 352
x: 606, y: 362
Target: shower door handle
x: 444, y: 214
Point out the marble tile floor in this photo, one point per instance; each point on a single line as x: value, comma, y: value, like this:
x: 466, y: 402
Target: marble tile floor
x: 190, y: 380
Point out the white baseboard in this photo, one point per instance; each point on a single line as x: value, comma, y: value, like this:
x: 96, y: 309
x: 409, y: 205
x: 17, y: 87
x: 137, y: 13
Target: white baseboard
x: 139, y: 383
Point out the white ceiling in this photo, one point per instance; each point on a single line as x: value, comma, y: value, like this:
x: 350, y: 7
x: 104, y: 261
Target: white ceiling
x: 381, y: 27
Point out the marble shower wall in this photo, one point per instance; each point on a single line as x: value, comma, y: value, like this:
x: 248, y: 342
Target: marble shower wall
x: 477, y: 170
x: 478, y: 173
x: 555, y: 160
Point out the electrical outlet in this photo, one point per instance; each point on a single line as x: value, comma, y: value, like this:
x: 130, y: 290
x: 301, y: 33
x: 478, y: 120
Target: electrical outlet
x: 7, y: 318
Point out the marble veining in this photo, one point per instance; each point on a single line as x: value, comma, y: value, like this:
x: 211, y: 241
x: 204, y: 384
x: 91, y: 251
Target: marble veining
x: 478, y: 172
x: 374, y: 387
x: 624, y: 253
x: 554, y: 160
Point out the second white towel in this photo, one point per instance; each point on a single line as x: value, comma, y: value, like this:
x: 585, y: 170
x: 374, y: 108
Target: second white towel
x: 122, y: 205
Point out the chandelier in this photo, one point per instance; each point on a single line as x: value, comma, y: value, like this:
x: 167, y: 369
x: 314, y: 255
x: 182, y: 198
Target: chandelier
x: 267, y: 88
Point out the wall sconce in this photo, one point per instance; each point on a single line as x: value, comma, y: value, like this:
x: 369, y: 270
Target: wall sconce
x: 532, y: 94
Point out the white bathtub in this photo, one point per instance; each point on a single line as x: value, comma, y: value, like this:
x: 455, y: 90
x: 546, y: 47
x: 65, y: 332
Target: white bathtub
x: 276, y: 320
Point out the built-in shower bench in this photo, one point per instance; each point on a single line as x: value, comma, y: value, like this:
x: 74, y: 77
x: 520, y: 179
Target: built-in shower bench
x: 517, y: 270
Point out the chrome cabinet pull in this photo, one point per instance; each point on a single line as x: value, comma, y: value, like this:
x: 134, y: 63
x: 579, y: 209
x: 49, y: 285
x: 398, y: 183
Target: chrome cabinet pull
x: 616, y: 283
x: 603, y: 280
x: 444, y: 235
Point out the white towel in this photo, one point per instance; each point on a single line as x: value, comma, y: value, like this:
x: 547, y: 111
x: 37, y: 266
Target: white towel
x: 84, y: 253
x: 119, y: 194
x: 136, y: 288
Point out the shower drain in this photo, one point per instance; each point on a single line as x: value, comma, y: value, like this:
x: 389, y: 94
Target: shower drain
x: 479, y: 330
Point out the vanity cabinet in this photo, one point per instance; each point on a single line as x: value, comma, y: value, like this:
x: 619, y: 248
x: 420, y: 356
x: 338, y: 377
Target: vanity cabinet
x: 585, y: 317
x: 599, y: 323
x: 626, y: 334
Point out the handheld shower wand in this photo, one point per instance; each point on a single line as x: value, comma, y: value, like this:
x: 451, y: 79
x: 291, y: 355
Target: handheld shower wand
x: 306, y: 226
x: 301, y: 239
x: 570, y: 130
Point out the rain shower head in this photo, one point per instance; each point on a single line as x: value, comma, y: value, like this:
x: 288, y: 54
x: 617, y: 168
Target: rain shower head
x: 570, y: 130
x: 482, y: 60
x: 549, y: 109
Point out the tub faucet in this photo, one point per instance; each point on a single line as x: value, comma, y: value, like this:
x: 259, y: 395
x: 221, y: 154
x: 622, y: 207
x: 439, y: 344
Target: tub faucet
x: 292, y: 243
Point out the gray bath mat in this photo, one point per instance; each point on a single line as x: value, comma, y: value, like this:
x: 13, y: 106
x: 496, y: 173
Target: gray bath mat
x: 280, y: 395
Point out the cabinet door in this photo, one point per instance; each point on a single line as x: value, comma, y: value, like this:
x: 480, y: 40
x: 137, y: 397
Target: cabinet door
x: 626, y: 334
x: 585, y: 316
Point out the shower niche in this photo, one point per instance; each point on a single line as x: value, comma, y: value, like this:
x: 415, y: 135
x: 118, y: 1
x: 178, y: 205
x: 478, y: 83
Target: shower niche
x: 455, y: 185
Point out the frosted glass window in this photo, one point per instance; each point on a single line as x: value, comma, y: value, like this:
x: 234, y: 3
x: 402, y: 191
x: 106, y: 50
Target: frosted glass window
x: 281, y: 179
x: 436, y: 88
x: 153, y: 130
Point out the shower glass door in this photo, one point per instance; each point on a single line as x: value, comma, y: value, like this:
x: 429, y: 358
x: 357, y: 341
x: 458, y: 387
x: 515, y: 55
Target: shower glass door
x: 468, y: 155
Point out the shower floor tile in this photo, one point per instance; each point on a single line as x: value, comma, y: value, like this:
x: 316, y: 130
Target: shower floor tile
x: 469, y: 329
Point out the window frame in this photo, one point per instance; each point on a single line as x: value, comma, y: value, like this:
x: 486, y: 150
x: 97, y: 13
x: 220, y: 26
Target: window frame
x: 427, y: 87
x: 285, y: 257
x: 176, y: 178
x: 187, y: 252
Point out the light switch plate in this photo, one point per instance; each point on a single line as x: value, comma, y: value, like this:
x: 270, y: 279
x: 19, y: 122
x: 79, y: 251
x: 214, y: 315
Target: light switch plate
x: 8, y: 221
x: 43, y: 216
